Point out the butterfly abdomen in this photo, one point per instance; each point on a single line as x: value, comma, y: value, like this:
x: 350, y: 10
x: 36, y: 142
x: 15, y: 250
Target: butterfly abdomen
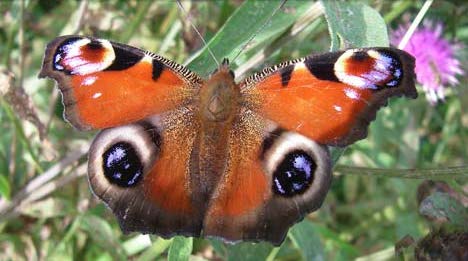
x: 218, y: 107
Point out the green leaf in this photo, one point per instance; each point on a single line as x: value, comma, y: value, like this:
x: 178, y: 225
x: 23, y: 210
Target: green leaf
x: 60, y: 248
x: 335, y: 153
x: 219, y: 247
x: 246, y: 22
x: 5, y: 189
x: 242, y: 251
x: 441, y: 205
x: 249, y: 251
x: 156, y: 249
x: 306, y: 240
x: 180, y: 249
x: 136, y: 244
x: 102, y: 234
x: 347, y: 250
x: 354, y: 25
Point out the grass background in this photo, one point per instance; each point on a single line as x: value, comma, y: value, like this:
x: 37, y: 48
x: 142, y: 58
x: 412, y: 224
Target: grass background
x: 48, y: 212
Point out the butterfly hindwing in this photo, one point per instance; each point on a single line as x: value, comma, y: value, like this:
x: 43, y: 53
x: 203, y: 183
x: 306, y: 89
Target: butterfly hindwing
x: 106, y: 84
x: 272, y: 179
x: 141, y: 171
x: 331, y: 98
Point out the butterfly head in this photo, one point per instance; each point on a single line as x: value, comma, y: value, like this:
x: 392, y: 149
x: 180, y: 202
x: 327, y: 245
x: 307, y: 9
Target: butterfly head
x: 224, y: 67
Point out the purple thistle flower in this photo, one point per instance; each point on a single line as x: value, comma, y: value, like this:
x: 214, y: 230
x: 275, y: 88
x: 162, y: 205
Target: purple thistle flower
x: 436, y: 65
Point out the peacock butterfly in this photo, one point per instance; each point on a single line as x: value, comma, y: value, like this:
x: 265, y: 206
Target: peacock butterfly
x: 181, y: 155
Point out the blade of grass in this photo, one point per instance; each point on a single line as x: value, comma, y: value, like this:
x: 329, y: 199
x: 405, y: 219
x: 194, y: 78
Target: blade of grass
x: 180, y: 249
x: 40, y: 180
x: 134, y: 23
x: 156, y: 249
x: 22, y: 136
x: 241, y: 26
x: 308, y: 17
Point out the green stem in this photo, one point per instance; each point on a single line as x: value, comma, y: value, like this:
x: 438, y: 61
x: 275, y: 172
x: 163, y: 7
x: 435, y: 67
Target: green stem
x: 415, y: 23
x: 19, y: 130
x: 432, y: 173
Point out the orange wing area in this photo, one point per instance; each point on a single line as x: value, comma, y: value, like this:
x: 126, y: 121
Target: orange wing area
x: 121, y: 97
x: 244, y: 188
x: 244, y: 205
x: 324, y: 111
x: 162, y: 202
x: 245, y: 185
x: 167, y: 184
x: 106, y: 84
x: 331, y: 98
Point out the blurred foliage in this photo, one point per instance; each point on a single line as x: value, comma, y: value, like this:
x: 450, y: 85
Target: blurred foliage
x: 48, y: 212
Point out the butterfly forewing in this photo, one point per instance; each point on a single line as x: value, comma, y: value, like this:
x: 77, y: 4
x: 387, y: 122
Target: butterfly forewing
x: 331, y: 98
x: 106, y: 84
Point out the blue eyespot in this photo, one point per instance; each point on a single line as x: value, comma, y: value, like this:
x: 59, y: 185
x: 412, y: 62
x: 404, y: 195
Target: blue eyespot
x: 294, y: 174
x: 121, y: 165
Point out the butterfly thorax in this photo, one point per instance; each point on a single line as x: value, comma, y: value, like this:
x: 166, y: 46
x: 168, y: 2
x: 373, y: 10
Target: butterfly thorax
x: 219, y: 96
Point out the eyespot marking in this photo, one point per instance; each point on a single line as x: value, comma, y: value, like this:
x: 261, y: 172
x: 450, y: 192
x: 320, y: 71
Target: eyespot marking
x: 121, y: 156
x: 122, y: 165
x: 269, y: 141
x: 369, y: 69
x: 82, y: 56
x: 294, y: 174
x: 297, y: 166
x: 95, y: 45
x: 153, y: 131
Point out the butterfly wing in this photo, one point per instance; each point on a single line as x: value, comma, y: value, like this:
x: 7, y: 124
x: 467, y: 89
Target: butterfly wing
x: 141, y: 171
x: 331, y: 98
x: 106, y: 84
x: 279, y: 167
x: 260, y: 194
x: 276, y: 168
x: 139, y: 164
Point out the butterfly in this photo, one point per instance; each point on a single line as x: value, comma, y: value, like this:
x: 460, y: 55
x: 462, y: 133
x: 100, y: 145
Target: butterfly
x: 182, y: 155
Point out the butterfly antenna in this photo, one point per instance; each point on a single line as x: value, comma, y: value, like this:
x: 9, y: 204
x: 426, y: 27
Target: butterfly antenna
x: 259, y: 29
x: 196, y: 30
